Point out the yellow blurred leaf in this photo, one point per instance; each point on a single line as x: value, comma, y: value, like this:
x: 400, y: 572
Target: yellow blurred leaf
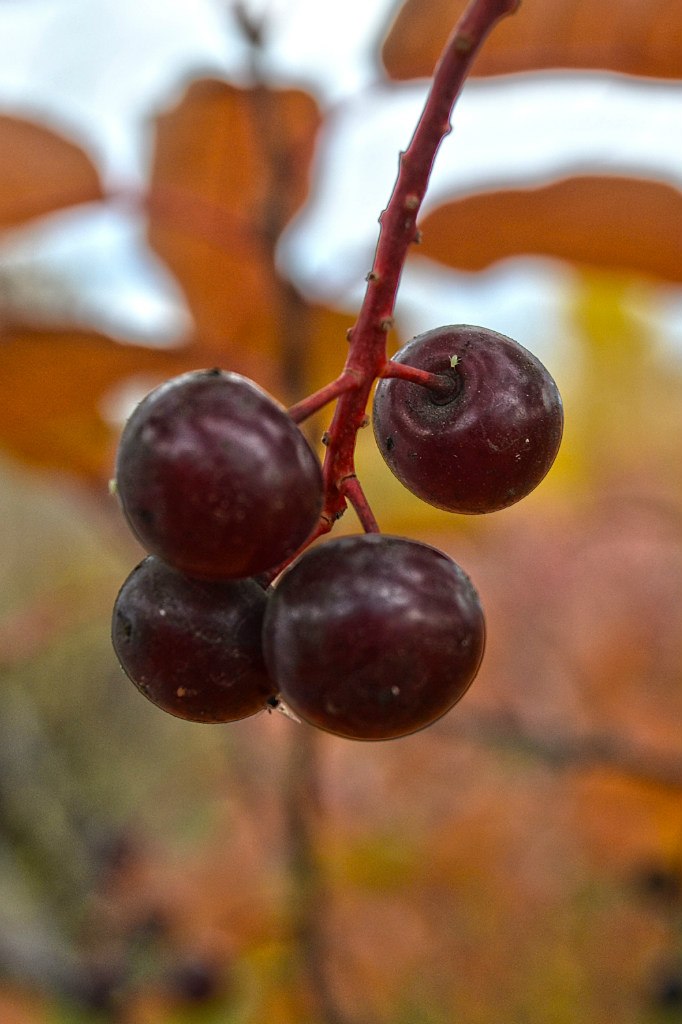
x: 379, y: 862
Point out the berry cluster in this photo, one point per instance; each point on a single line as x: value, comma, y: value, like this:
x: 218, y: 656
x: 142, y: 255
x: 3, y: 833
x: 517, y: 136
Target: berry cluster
x: 367, y: 636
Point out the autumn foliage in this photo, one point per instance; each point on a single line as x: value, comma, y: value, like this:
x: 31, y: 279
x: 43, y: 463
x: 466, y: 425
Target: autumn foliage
x: 521, y: 861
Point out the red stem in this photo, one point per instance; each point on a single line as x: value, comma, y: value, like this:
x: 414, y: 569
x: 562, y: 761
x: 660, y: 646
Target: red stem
x: 367, y: 355
x: 441, y: 383
x: 307, y: 406
x: 352, y: 489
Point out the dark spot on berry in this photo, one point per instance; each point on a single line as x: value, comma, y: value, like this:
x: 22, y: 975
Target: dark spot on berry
x: 145, y: 515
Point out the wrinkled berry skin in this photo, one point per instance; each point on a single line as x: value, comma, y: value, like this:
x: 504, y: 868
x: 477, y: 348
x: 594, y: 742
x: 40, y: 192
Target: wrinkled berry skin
x: 373, y: 637
x: 215, y: 478
x: 489, y: 443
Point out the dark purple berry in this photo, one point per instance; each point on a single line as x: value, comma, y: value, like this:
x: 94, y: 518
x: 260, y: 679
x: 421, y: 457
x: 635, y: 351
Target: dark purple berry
x: 485, y: 445
x: 373, y: 637
x: 193, y: 647
x: 215, y: 478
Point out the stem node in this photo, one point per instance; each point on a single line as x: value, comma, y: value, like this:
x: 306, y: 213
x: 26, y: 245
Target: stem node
x: 351, y: 488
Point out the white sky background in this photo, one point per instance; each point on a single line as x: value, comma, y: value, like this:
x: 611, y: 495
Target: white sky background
x: 98, y: 69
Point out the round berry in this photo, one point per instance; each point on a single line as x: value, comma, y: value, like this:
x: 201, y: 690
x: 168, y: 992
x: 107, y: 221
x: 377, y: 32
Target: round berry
x: 373, y: 637
x: 489, y: 441
x: 193, y: 647
x: 215, y: 478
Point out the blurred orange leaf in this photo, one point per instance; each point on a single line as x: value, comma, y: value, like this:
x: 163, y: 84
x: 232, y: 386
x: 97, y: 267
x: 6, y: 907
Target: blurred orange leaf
x: 54, y: 387
x: 626, y: 36
x: 620, y: 223
x: 57, y: 385
x: 40, y: 172
x: 230, y: 169
x: 645, y: 817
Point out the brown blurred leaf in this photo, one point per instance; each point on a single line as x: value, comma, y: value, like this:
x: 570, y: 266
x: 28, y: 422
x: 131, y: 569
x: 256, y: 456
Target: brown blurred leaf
x: 53, y: 383
x: 626, y: 36
x: 230, y: 169
x: 56, y: 384
x: 619, y: 223
x: 40, y: 172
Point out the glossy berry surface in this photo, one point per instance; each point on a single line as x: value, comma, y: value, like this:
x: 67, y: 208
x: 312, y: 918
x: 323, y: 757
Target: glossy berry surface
x: 486, y: 445
x: 373, y: 637
x: 192, y: 647
x: 215, y: 478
